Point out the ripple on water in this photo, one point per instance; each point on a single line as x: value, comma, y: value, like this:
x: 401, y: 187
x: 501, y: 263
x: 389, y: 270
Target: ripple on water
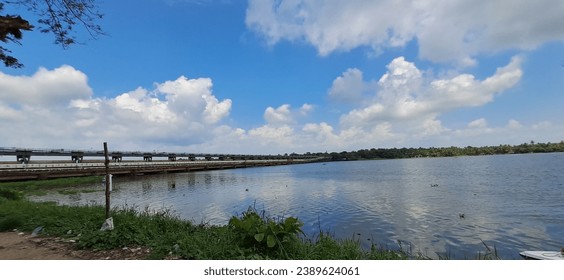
x: 512, y: 201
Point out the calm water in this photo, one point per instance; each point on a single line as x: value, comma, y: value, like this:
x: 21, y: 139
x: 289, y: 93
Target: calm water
x: 515, y: 202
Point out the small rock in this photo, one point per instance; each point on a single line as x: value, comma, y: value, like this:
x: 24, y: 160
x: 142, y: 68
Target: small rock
x: 69, y: 232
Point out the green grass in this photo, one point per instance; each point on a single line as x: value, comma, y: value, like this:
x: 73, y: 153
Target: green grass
x: 166, y: 234
x: 38, y: 187
x: 75, y: 192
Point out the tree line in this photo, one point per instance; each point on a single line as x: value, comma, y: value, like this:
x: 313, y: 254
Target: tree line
x: 396, y: 153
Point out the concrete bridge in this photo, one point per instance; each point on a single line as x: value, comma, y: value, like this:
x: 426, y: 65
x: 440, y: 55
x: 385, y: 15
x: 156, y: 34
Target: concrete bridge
x: 23, y: 155
x: 136, y: 163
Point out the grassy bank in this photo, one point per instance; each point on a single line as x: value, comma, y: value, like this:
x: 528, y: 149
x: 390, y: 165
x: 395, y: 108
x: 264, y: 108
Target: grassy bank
x: 249, y: 236
x: 38, y: 187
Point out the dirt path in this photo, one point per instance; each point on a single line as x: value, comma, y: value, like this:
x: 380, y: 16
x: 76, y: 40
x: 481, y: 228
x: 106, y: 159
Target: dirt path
x: 20, y: 246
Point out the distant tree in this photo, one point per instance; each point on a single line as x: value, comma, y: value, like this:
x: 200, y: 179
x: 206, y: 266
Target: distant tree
x: 53, y: 16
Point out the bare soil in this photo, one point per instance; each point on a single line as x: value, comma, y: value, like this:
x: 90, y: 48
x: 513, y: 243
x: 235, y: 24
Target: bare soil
x: 21, y: 246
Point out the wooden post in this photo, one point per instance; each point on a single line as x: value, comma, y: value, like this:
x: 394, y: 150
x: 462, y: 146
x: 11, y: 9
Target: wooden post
x: 107, y: 164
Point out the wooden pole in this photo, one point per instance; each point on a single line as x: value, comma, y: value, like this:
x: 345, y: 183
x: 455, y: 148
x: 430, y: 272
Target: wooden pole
x: 107, y: 164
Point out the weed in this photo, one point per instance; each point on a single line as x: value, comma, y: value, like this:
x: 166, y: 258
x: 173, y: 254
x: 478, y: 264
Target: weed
x: 491, y: 254
x: 265, y: 233
x: 75, y: 192
x: 10, y: 223
x: 246, y: 237
x: 11, y: 194
x: 37, y: 187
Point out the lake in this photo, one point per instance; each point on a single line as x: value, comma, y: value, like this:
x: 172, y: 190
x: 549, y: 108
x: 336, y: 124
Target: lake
x: 439, y: 207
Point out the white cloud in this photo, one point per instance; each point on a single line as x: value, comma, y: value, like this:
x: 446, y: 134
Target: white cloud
x: 479, y: 123
x: 432, y: 127
x: 404, y: 96
x: 513, y: 124
x: 278, y: 116
x: 403, y: 109
x: 8, y: 114
x: 542, y: 125
x: 348, y: 87
x: 273, y: 137
x: 193, y: 99
x: 138, y: 104
x: 56, y: 108
x: 306, y: 109
x: 285, y: 115
x: 453, y: 30
x: 45, y: 87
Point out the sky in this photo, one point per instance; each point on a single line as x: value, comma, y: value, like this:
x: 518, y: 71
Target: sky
x: 284, y: 76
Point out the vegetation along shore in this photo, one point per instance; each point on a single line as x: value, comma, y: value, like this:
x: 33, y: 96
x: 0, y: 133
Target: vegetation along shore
x: 397, y: 153
x: 251, y: 235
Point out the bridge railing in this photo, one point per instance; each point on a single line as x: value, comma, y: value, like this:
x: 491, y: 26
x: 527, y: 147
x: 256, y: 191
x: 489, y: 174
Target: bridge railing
x: 23, y: 155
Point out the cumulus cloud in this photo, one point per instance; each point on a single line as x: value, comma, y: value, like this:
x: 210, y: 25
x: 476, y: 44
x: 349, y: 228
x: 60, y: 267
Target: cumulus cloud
x: 281, y: 136
x: 278, y: 116
x: 188, y: 97
x: 306, y: 109
x: 403, y: 95
x: 348, y: 88
x: 47, y: 87
x: 479, y: 123
x: 285, y: 115
x: 403, y: 107
x: 57, y: 108
x: 445, y: 30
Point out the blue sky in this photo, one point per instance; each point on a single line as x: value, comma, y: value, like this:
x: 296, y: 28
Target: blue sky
x: 281, y: 76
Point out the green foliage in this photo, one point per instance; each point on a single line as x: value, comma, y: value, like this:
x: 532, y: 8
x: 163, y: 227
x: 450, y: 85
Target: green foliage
x: 10, y: 194
x: 265, y: 233
x: 166, y: 235
x: 10, y: 222
x: 37, y: 187
x: 325, y: 247
x: 395, y: 153
x: 75, y: 192
x: 59, y: 17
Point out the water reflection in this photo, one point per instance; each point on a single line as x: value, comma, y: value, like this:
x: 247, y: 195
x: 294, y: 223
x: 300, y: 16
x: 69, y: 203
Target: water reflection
x: 512, y: 202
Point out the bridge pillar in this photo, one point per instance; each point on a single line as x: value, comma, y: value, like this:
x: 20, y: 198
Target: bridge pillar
x: 23, y: 156
x: 77, y: 157
x: 117, y: 157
